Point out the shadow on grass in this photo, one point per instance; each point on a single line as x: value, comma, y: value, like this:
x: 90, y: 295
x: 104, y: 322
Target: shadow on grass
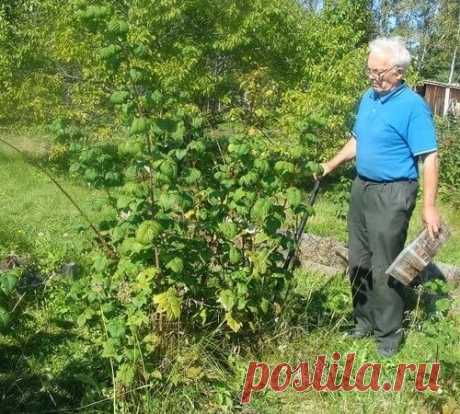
x: 27, y: 381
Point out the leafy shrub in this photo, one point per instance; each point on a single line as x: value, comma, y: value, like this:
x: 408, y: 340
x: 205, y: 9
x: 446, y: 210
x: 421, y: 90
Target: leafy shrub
x: 203, y: 240
x: 194, y: 240
x: 99, y: 164
x: 449, y: 149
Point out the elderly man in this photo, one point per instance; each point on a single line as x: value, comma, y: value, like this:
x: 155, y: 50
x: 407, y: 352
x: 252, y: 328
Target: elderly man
x: 394, y: 127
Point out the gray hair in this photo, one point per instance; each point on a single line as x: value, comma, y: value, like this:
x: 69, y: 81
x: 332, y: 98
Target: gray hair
x: 393, y: 48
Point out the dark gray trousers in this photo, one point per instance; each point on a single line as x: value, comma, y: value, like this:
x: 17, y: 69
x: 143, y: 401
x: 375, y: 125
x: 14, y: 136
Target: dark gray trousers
x: 378, y: 219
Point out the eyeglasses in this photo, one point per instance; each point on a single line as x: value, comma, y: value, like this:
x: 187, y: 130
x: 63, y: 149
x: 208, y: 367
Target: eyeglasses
x: 372, y: 73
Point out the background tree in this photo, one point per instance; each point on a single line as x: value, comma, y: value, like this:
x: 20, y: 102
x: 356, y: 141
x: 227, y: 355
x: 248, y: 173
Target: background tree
x: 430, y: 29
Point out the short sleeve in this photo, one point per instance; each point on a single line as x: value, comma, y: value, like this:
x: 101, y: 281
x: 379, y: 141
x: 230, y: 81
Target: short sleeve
x: 421, y: 135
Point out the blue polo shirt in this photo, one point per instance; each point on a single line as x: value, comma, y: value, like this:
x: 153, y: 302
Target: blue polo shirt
x: 391, y: 131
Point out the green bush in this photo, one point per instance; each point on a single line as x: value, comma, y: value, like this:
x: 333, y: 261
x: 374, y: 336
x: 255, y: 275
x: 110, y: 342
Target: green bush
x: 449, y: 150
x: 195, y: 233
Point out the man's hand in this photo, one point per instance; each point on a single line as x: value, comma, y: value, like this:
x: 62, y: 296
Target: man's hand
x: 432, y: 220
x: 326, y: 169
x: 347, y: 153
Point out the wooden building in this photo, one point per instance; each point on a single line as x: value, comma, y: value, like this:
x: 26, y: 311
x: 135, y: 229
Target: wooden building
x: 443, y: 98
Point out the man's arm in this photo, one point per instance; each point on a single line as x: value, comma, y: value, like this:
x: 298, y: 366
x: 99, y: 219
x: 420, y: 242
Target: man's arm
x: 347, y: 153
x: 431, y: 216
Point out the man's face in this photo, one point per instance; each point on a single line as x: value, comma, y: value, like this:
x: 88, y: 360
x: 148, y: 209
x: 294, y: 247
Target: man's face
x: 383, y: 74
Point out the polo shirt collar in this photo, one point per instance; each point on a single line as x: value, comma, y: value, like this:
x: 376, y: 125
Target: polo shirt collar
x: 389, y: 95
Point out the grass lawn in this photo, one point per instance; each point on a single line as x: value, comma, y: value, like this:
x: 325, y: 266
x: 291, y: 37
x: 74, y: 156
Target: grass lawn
x: 35, y: 217
x: 41, y: 357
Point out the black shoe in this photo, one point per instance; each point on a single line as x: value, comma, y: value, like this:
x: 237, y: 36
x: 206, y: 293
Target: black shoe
x: 357, y: 333
x: 387, y: 351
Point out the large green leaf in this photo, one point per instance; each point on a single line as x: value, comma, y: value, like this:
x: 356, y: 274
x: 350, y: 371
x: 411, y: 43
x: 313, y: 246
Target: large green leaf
x: 294, y: 196
x: 148, y: 231
x: 168, y: 302
x: 97, y: 12
x: 176, y: 265
x: 228, y: 229
x: 234, y: 255
x: 117, y: 26
x: 119, y: 97
x: 109, y: 52
x: 234, y: 325
x: 131, y: 245
x: 194, y: 175
x: 8, y: 282
x: 262, y: 165
x: 169, y: 168
x: 116, y: 328
x: 227, y: 299
x: 261, y: 210
x: 249, y: 179
x: 136, y: 75
x: 138, y: 126
x: 315, y: 168
x: 284, y: 167
x: 260, y: 262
